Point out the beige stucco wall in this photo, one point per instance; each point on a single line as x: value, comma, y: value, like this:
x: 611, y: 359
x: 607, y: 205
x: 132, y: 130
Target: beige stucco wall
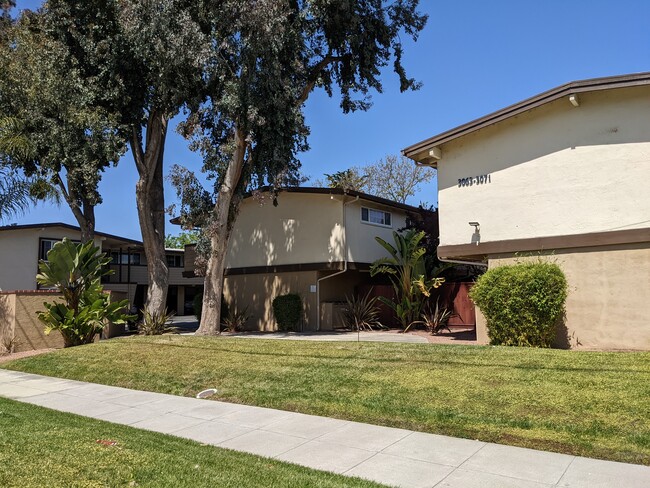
x: 305, y: 228
x: 607, y: 306
x: 257, y: 291
x: 362, y: 246
x: 19, y: 255
x: 555, y: 170
x: 27, y: 329
x: 301, y: 229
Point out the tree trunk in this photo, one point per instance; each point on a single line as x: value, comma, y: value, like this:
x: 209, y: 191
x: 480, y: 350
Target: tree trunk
x: 84, y: 215
x: 150, y: 200
x: 223, y: 213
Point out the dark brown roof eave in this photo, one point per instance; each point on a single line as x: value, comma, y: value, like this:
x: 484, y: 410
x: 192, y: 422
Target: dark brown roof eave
x: 70, y: 227
x: 334, y: 191
x: 575, y: 87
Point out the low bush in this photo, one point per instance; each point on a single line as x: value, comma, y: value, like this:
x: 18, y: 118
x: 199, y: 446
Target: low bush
x: 288, y: 311
x: 522, y: 303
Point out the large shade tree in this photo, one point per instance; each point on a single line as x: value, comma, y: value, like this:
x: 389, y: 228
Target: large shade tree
x: 147, y: 60
x: 268, y: 58
x: 51, y: 127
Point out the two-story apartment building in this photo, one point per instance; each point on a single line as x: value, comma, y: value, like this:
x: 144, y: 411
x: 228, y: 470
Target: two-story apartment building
x: 317, y: 242
x: 21, y: 247
x: 561, y: 175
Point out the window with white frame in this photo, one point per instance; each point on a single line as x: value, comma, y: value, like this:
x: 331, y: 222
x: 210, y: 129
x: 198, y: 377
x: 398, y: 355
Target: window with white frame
x: 46, y: 244
x: 377, y: 217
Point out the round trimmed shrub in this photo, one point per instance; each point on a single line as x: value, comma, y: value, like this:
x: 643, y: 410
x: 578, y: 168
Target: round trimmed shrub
x: 522, y: 303
x: 288, y: 311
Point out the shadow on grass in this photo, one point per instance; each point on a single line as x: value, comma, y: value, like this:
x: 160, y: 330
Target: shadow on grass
x: 388, y: 359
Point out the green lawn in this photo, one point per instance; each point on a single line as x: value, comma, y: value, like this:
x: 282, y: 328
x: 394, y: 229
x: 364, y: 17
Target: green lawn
x: 44, y: 448
x: 586, y: 403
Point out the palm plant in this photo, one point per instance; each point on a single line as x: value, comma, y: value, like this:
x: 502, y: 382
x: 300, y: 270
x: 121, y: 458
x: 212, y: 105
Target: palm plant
x: 406, y: 269
x: 14, y: 194
x: 18, y: 191
x: 75, y: 271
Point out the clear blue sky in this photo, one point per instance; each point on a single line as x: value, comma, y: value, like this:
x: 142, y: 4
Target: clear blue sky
x: 473, y: 57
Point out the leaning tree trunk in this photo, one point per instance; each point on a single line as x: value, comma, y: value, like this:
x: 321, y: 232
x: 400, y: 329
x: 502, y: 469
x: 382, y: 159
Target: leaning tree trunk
x: 150, y: 200
x: 82, y: 209
x: 223, y: 216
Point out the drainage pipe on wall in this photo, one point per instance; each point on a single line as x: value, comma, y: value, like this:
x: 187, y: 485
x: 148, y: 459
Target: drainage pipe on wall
x: 345, y: 262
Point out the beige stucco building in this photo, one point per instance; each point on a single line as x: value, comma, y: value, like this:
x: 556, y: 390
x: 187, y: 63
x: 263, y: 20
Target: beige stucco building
x: 318, y: 243
x: 21, y: 247
x: 562, y: 175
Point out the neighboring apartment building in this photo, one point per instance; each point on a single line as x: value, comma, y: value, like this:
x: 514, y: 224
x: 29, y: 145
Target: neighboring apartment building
x: 563, y: 174
x: 317, y: 242
x: 21, y: 247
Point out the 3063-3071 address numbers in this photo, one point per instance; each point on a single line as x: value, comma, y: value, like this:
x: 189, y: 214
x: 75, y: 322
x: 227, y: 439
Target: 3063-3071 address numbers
x: 474, y: 180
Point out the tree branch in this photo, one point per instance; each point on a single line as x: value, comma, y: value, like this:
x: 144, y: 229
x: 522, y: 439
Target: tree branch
x: 135, y: 141
x: 313, y: 76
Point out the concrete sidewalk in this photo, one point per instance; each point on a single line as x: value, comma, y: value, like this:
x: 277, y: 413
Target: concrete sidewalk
x: 333, y: 336
x: 394, y: 457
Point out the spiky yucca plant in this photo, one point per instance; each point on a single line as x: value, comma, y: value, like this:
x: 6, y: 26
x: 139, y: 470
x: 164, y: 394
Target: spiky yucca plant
x: 362, y: 313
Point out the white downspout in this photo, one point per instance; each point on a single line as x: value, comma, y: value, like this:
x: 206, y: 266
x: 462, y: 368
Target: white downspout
x: 345, y: 262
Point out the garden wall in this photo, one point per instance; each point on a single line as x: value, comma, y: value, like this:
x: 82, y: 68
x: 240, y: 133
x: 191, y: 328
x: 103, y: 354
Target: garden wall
x: 18, y: 319
x: 19, y: 322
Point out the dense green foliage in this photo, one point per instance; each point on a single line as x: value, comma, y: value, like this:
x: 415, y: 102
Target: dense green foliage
x: 287, y: 310
x: 349, y: 179
x: 68, y: 137
x: 42, y: 447
x: 586, y: 403
x: 522, y: 303
x: 75, y: 271
x: 406, y: 269
x: 182, y: 239
x: 197, y: 305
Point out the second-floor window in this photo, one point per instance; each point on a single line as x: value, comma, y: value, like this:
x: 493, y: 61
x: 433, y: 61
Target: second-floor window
x: 125, y: 258
x: 47, y: 244
x: 377, y: 217
x: 174, y: 260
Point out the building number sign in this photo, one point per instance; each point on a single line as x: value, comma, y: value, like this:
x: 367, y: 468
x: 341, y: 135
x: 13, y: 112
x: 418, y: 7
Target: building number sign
x: 474, y: 180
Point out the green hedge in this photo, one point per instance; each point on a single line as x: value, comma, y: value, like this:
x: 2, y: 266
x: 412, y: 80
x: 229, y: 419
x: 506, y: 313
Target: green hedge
x: 522, y: 303
x: 288, y: 311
